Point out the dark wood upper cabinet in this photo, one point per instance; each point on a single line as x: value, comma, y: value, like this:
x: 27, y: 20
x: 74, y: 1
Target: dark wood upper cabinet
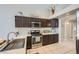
x: 48, y: 22
x: 43, y: 23
x: 21, y: 21
x: 18, y: 21
x: 26, y: 22
x: 54, y: 22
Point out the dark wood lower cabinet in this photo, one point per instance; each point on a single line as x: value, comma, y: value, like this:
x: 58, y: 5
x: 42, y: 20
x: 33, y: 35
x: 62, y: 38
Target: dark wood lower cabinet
x: 49, y: 39
x: 77, y: 46
x: 29, y: 42
x: 45, y: 40
x: 55, y: 38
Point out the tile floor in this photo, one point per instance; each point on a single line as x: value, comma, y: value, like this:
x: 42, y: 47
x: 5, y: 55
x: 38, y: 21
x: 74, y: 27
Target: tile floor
x: 65, y: 47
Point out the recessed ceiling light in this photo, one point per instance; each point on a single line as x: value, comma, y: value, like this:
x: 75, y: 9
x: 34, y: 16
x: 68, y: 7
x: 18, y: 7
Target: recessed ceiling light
x: 67, y: 22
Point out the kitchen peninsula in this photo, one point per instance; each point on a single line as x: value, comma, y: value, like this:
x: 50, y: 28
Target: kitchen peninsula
x: 47, y: 38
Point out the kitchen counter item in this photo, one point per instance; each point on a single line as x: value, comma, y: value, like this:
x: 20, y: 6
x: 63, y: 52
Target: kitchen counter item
x: 48, y: 33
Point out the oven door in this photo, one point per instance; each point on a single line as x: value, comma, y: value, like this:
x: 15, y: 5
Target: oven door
x: 36, y: 41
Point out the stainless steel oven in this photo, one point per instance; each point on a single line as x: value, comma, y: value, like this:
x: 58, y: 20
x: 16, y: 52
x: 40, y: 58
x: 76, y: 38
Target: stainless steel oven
x: 36, y: 38
x: 36, y: 41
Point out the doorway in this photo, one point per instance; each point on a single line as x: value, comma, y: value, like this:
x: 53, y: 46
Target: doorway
x: 70, y: 30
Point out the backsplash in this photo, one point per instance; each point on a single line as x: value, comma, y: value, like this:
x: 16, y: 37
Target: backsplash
x: 47, y: 31
x: 55, y: 30
x: 25, y: 31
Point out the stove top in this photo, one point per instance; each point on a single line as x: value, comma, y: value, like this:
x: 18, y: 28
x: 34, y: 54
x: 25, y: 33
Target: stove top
x: 35, y: 32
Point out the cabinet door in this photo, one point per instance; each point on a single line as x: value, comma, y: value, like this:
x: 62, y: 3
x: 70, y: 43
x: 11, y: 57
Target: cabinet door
x: 55, y: 37
x: 48, y: 22
x: 22, y: 21
x: 32, y: 20
x: 37, y: 20
x: 26, y: 22
x: 45, y: 40
x: 18, y: 21
x: 29, y: 42
x: 51, y: 39
x: 43, y: 23
x: 54, y: 22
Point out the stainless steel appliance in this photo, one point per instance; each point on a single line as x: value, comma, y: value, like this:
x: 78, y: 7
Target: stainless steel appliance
x: 35, y: 32
x: 36, y: 38
x: 36, y: 24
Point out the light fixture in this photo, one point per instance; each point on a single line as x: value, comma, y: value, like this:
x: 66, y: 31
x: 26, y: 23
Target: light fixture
x: 67, y: 23
x: 21, y: 13
x: 53, y: 9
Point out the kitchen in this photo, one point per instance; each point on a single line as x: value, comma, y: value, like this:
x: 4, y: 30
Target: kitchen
x: 43, y: 31
x: 37, y: 31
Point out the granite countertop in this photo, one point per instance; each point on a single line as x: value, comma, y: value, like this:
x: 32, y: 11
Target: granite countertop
x: 48, y: 33
x: 22, y: 37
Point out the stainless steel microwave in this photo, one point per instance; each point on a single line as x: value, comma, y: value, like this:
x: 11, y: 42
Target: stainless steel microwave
x: 36, y: 24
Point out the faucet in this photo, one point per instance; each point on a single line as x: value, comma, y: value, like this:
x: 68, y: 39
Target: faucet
x: 9, y: 34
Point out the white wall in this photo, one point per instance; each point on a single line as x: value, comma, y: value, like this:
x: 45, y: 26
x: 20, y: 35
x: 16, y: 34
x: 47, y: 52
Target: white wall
x: 59, y: 7
x: 66, y: 30
x: 8, y: 12
x: 78, y: 25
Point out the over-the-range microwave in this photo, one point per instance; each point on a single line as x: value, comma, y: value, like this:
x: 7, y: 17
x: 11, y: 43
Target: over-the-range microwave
x: 36, y: 24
